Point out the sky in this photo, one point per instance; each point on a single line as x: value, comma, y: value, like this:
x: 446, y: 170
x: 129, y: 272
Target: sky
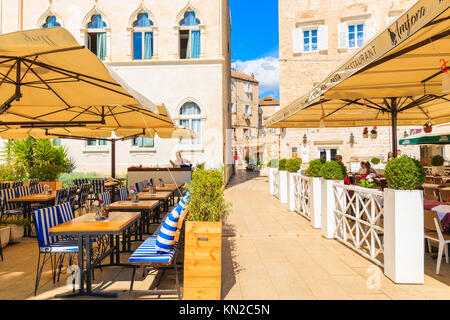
x: 254, y: 42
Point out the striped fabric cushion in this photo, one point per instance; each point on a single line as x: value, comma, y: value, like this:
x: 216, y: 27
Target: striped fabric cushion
x: 98, y: 185
x: 166, y: 235
x: 45, y: 219
x: 148, y: 252
x: 105, y: 197
x: 140, y: 186
x: 123, y: 194
x: 22, y: 191
x: 65, y: 212
x: 39, y: 188
x: 8, y: 194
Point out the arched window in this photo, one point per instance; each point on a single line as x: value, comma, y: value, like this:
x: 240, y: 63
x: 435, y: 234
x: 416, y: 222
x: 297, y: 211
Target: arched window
x: 51, y: 22
x: 142, y: 37
x: 190, y: 118
x: 189, y: 36
x: 96, y: 37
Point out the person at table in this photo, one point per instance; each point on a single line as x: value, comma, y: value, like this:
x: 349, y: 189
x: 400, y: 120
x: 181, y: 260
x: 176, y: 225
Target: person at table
x: 369, y: 168
x: 180, y: 162
x: 363, y: 168
x: 390, y: 156
x: 339, y: 158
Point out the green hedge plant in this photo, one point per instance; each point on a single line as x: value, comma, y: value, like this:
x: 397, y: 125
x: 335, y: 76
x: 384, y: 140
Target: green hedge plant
x: 375, y: 161
x: 273, y: 163
x: 437, y: 161
x: 282, y: 164
x: 332, y: 170
x: 294, y: 164
x: 315, y: 168
x: 17, y: 222
x: 404, y: 173
x: 207, y: 200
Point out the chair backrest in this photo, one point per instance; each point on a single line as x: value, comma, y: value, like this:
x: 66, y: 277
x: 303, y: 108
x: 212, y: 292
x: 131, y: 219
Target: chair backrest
x: 105, y: 197
x: 72, y: 195
x: 65, y: 212
x: 39, y: 188
x: 84, y: 192
x: 123, y: 194
x: 429, y: 220
x: 45, y: 219
x: 98, y: 186
x: 438, y: 180
x: 430, y: 194
x: 22, y: 191
x: 61, y: 196
x: 8, y: 194
x: 429, y: 180
x: 4, y: 185
x: 444, y: 195
x: 80, y: 181
x: 140, y: 186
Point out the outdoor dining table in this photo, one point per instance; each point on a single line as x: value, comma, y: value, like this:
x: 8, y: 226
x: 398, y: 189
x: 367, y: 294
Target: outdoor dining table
x: 168, y: 187
x: 85, y: 227
x: 442, y: 209
x: 163, y: 197
x: 145, y: 207
x: 27, y: 201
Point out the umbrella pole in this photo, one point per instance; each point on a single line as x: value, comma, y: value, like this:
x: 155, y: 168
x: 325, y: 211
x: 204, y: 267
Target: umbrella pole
x: 394, y: 126
x: 113, y: 158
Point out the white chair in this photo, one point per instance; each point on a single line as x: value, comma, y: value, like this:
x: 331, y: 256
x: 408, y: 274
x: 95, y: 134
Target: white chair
x: 433, y: 232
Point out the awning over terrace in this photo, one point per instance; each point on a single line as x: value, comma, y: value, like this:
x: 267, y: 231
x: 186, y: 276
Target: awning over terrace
x: 395, y: 79
x: 440, y: 135
x: 49, y: 84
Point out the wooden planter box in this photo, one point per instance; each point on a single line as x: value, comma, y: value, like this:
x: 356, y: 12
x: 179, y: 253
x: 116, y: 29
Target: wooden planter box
x: 55, y: 185
x: 202, y: 278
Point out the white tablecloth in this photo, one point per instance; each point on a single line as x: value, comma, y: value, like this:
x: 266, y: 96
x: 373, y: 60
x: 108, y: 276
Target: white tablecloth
x: 441, y: 210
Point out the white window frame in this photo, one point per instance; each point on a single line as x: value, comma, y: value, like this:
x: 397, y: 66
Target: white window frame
x: 96, y: 148
x: 143, y: 30
x: 310, y: 29
x: 322, y: 38
x: 247, y: 108
x: 234, y: 107
x: 369, y: 31
x: 190, y: 118
x: 356, y: 24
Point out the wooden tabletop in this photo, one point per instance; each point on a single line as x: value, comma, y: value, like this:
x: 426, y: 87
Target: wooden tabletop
x: 117, y: 222
x: 38, y: 197
x: 111, y: 184
x: 158, y: 196
x: 167, y: 187
x: 141, y: 205
x: 432, y: 185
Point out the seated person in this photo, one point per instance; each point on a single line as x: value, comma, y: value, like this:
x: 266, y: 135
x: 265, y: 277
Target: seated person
x: 370, y: 169
x: 363, y: 169
x: 180, y: 162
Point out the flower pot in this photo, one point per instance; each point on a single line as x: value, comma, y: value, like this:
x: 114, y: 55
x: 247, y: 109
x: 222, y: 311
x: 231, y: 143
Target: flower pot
x: 283, y: 185
x: 202, y: 279
x: 328, y: 206
x: 272, y: 174
x: 55, y: 185
x: 403, y: 236
x: 365, y: 135
x: 5, y: 233
x: 16, y: 233
x: 427, y: 129
x: 373, y: 135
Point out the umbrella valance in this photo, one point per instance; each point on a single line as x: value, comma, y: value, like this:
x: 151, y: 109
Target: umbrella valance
x: 48, y: 81
x: 439, y: 135
x: 401, y: 69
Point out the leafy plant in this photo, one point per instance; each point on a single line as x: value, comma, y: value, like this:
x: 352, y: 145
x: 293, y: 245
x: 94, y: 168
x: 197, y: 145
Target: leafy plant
x: 374, y: 130
x: 273, y: 163
x: 12, y: 171
x: 207, y: 200
x: 375, y: 160
x: 200, y: 166
x: 294, y: 164
x: 366, y: 130
x: 282, y: 164
x: 366, y: 183
x: 344, y: 169
x: 315, y: 168
x: 437, y: 161
x: 404, y: 173
x: 17, y: 222
x: 332, y: 170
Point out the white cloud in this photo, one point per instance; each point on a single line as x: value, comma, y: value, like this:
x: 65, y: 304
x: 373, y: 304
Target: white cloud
x: 266, y: 71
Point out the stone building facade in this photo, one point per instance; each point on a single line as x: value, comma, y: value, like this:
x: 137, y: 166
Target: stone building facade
x: 245, y: 114
x: 316, y: 36
x: 177, y: 54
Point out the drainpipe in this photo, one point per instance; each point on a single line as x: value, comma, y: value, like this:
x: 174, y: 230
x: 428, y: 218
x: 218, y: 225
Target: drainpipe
x: 20, y: 13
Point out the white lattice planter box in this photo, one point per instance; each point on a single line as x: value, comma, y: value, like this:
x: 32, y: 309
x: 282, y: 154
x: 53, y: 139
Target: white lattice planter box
x: 315, y: 202
x: 272, y: 175
x: 328, y: 207
x: 293, y: 185
x: 403, y: 236
x: 283, y: 186
x: 276, y: 184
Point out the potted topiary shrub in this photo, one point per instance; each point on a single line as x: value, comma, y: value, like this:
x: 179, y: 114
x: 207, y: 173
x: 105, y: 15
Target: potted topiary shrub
x: 273, y: 169
x: 375, y: 161
x: 403, y: 221
x: 17, y: 228
x: 365, y: 133
x: 314, y: 171
x: 283, y: 181
x: 332, y: 173
x: 373, y: 133
x: 437, y: 163
x: 203, y: 236
x: 293, y: 166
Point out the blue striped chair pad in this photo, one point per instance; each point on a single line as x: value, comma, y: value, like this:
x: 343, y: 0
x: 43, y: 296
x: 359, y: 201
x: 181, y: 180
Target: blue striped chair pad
x: 147, y: 252
x: 62, y: 246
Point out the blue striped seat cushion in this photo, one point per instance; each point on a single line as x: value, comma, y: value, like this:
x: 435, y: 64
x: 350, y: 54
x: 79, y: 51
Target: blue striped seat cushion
x: 166, y: 235
x: 148, y: 252
x: 61, y: 246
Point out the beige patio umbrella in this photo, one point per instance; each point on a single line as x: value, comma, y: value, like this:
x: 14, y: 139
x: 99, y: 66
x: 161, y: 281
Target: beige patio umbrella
x: 395, y: 79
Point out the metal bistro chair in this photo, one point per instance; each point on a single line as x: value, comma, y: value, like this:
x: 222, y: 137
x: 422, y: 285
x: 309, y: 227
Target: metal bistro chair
x: 434, y: 232
x: 105, y: 197
x: 97, y: 187
x: 79, y: 182
x: 123, y: 194
x: 33, y: 184
x: 55, y: 248
x: 444, y: 195
x: 61, y: 196
x: 10, y: 208
x: 16, y: 184
x: 438, y: 180
x: 72, y: 195
x: 430, y: 193
x: 81, y: 201
x: 1, y: 214
x: 429, y: 179
x: 140, y: 186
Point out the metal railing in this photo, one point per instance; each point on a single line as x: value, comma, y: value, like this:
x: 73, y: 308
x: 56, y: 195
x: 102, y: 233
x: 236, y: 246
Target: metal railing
x: 302, y: 195
x: 359, y: 217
